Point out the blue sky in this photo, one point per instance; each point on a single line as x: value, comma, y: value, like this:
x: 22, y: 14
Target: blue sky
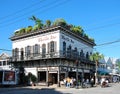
x: 99, y: 18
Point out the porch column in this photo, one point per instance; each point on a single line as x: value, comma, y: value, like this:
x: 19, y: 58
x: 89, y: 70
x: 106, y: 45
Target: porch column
x: 58, y: 76
x: 47, y: 77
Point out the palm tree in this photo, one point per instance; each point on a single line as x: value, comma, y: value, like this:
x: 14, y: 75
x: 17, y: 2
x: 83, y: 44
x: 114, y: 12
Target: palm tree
x: 38, y: 22
x: 28, y: 29
x: 48, y: 23
x: 118, y: 64
x: 96, y: 57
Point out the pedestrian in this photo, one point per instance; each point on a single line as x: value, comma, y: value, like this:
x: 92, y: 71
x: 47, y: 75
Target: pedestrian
x: 92, y: 82
x: 65, y: 82
x: 68, y: 82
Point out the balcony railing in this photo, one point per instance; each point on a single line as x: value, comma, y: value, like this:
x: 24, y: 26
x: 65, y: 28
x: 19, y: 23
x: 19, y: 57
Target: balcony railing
x: 59, y: 54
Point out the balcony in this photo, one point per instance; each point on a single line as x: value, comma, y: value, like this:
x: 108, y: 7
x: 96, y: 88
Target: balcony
x: 59, y: 54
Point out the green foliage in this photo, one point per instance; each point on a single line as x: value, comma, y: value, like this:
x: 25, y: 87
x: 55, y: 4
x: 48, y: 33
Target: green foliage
x: 35, y: 28
x: 33, y: 18
x: 92, y: 39
x: 48, y: 23
x: 59, y: 21
x: 22, y: 30
x: 39, y: 25
x: 86, y: 36
x: 38, y: 22
x: 17, y: 32
x: 118, y: 63
x: 29, y: 29
x: 77, y: 29
x: 96, y: 56
x: 32, y: 77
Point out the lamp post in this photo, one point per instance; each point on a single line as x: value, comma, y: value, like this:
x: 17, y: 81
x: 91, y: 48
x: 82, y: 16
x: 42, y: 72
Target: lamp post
x: 96, y: 74
x: 77, y: 74
x: 82, y: 75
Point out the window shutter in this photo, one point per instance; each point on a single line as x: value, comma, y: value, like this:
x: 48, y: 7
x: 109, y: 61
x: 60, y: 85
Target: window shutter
x: 55, y: 46
x: 48, y: 47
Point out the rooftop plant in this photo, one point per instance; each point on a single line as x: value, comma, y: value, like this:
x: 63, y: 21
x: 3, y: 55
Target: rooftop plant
x: 40, y: 25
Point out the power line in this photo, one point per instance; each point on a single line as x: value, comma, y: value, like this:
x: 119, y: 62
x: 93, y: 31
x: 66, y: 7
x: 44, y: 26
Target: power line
x: 103, y: 44
x: 5, y: 49
x: 46, y: 8
x: 21, y: 10
x: 13, y: 20
x: 108, y: 43
x: 104, y: 26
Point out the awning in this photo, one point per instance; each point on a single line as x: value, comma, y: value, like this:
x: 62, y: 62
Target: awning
x: 103, y: 73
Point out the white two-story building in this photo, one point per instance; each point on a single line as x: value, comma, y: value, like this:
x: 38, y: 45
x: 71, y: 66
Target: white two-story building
x: 53, y: 53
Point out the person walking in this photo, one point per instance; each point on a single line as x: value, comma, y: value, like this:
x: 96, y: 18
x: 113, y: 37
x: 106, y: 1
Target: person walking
x: 92, y: 82
x: 68, y: 82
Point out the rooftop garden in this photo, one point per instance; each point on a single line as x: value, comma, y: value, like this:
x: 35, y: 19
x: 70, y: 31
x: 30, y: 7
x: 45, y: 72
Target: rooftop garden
x: 48, y: 23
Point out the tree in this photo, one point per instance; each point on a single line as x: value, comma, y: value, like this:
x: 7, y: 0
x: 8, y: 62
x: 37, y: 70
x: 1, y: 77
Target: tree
x: 38, y: 22
x: 77, y: 29
x: 22, y: 31
x: 118, y: 65
x: 32, y: 78
x: 60, y: 21
x: 48, y: 23
x: 28, y: 29
x: 96, y: 57
x: 21, y: 75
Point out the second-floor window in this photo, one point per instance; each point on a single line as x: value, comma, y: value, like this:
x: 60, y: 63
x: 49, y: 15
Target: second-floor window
x: 69, y: 49
x: 75, y: 53
x: 22, y: 54
x: 15, y: 53
x: 87, y: 55
x: 81, y: 54
x: 52, y: 47
x: 36, y: 49
x: 43, y: 50
x: 0, y: 63
x: 64, y: 48
x: 27, y: 51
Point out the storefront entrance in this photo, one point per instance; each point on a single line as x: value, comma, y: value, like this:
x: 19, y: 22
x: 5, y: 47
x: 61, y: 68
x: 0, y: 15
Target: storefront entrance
x: 53, y: 78
x: 42, y: 76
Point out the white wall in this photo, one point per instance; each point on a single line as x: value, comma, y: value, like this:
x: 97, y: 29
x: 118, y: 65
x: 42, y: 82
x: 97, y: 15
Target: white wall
x: 74, y: 43
x: 31, y: 70
x: 39, y: 39
x: 53, y: 36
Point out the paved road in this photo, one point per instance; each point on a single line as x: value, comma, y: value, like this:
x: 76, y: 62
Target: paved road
x: 113, y: 89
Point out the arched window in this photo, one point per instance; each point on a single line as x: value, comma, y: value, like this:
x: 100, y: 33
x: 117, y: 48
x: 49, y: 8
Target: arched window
x: 43, y: 50
x: 13, y: 53
x: 52, y: 47
x: 28, y: 51
x: 75, y: 53
x: 87, y: 55
x: 64, y: 48
x: 16, y: 53
x: 22, y: 54
x: 69, y: 51
x: 81, y: 54
x: 36, y: 49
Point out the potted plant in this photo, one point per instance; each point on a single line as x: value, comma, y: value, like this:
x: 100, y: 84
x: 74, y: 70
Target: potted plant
x: 32, y: 78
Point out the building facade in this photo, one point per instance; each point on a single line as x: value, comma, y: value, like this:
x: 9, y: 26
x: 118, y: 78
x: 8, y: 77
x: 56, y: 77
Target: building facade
x: 4, y: 62
x: 52, y: 54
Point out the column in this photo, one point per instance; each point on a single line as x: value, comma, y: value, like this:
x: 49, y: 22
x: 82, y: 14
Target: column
x: 58, y: 76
